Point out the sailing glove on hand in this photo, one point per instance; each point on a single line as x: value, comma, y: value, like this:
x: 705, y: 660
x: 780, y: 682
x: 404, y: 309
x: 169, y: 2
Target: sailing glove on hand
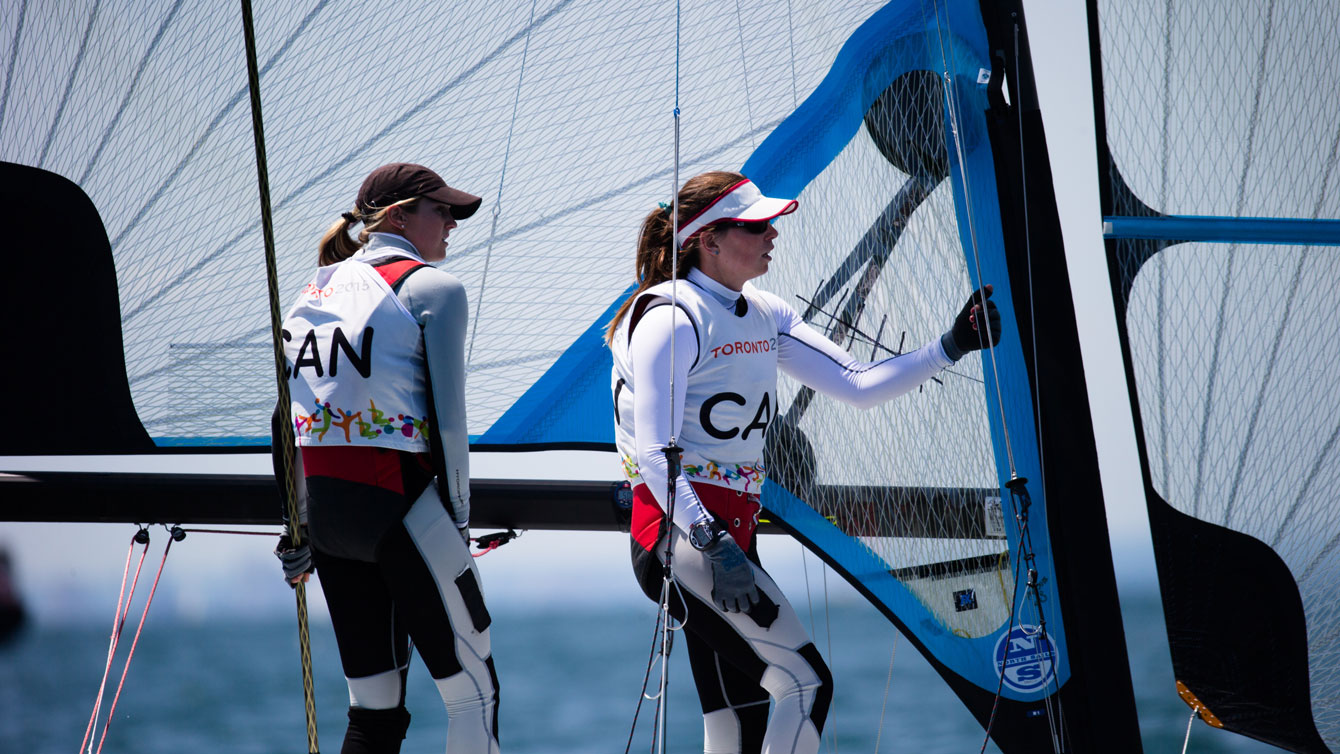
x: 965, y: 336
x: 296, y: 560
x: 733, y: 588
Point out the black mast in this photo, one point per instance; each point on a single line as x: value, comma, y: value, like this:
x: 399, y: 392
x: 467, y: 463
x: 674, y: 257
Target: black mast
x: 1098, y: 700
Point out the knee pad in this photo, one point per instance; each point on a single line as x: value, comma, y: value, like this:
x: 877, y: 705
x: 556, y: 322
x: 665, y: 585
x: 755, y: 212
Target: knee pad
x: 824, y: 694
x: 375, y: 730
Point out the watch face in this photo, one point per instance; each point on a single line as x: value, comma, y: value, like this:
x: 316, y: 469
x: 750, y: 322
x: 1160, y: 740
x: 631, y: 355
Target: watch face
x: 700, y: 535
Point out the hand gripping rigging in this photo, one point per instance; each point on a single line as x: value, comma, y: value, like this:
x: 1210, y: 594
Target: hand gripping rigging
x: 966, y: 334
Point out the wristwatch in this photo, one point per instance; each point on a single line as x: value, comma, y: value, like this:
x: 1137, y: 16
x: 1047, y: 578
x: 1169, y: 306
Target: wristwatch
x: 704, y: 534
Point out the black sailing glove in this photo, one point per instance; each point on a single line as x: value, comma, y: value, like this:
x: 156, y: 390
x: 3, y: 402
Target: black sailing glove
x: 733, y: 588
x: 965, y: 336
x: 296, y: 560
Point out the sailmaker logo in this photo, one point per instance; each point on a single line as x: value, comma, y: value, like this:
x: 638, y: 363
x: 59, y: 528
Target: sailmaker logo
x: 1025, y: 659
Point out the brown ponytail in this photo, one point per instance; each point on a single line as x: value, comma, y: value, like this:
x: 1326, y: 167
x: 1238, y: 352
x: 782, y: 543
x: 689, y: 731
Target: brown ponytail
x: 655, y: 240
x: 336, y: 245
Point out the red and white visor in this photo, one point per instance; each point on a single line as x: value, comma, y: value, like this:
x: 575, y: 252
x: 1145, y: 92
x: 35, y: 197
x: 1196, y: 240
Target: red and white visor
x: 743, y: 201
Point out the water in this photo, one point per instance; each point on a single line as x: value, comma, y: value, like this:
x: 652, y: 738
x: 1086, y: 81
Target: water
x: 570, y: 681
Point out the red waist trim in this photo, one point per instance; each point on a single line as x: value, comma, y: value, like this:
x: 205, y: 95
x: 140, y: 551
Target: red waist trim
x: 378, y: 467
x: 737, y: 510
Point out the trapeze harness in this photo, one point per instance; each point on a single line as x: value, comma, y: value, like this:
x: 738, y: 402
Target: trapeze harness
x: 375, y: 352
x: 728, y: 347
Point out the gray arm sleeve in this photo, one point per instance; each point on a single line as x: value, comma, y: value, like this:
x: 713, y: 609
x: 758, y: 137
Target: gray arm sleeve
x: 437, y: 301
x: 281, y: 414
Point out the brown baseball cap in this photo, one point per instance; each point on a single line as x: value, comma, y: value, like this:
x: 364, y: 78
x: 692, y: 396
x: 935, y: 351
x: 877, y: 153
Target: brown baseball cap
x: 399, y: 181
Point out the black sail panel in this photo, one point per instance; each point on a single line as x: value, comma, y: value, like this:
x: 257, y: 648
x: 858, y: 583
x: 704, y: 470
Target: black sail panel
x: 1217, y: 149
x: 63, y: 320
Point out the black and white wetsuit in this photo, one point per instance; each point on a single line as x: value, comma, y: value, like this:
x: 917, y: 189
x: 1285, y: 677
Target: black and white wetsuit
x: 726, y: 354
x: 376, y: 360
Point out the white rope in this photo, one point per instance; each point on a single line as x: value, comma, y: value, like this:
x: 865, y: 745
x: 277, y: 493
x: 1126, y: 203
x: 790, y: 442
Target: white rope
x: 1189, y: 723
x: 888, y: 683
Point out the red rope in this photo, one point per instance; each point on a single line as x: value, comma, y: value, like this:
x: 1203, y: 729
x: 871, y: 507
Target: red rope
x: 118, y: 625
x: 118, y: 622
x: 147, y: 602
x: 495, y: 544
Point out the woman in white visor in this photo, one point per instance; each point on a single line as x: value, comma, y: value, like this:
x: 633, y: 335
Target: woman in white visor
x: 705, y: 373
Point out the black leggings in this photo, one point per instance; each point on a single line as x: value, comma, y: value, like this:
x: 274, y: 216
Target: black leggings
x: 391, y: 572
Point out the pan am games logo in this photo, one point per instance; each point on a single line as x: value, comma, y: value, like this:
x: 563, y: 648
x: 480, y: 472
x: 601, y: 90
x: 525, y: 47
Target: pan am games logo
x: 1025, y: 659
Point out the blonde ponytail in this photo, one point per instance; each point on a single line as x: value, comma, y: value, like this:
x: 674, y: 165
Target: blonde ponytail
x: 337, y: 245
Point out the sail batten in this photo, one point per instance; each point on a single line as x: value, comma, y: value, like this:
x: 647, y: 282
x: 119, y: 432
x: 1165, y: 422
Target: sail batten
x: 1281, y: 230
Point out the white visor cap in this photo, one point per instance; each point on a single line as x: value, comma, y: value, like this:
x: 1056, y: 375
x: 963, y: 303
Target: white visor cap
x: 743, y: 201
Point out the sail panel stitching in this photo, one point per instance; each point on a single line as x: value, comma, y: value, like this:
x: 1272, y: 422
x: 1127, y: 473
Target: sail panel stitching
x: 69, y: 83
x: 502, y: 181
x: 1213, y: 377
x: 130, y: 90
x: 224, y: 112
x: 13, y: 58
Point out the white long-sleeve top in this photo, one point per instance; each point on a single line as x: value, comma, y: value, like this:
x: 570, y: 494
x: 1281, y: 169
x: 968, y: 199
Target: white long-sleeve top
x: 724, y: 383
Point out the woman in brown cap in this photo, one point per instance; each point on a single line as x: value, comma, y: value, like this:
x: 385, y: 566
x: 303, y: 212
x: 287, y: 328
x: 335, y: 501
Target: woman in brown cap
x: 380, y: 422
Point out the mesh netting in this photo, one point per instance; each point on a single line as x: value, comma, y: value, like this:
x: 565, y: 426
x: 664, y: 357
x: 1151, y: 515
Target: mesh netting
x: 925, y: 459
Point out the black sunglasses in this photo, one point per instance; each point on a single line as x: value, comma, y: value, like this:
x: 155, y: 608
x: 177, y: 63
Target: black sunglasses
x: 756, y: 227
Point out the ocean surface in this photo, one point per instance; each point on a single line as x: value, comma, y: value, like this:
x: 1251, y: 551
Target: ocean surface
x: 570, y: 680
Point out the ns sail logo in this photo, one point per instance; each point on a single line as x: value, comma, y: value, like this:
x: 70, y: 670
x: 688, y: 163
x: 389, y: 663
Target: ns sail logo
x: 1025, y: 659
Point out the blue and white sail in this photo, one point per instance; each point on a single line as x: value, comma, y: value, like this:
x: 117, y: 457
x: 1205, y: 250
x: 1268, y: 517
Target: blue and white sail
x: 907, y: 131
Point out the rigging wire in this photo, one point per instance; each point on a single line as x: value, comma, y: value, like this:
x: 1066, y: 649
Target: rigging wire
x: 955, y: 119
x: 502, y: 179
x: 1056, y: 718
x: 646, y: 678
x: 672, y: 450
x: 1000, y: 683
x: 231, y: 531
x: 1017, y: 485
x: 285, y: 439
